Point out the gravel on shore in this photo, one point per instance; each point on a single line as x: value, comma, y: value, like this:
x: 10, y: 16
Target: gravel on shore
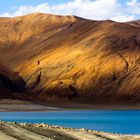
x: 28, y: 131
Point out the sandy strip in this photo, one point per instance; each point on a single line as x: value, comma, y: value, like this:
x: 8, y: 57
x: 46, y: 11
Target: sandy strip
x: 26, y: 134
x: 26, y: 107
x: 20, y: 133
x: 98, y: 135
x: 19, y: 105
x: 81, y: 135
x: 3, y: 136
x: 14, y: 131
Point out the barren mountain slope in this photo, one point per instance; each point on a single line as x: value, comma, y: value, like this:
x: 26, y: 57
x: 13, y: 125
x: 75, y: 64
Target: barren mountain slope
x: 70, y: 58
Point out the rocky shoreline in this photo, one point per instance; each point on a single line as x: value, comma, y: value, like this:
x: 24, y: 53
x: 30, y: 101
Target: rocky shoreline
x: 28, y: 131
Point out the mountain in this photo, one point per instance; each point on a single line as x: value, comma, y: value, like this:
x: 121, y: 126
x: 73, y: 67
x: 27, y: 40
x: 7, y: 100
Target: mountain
x: 67, y: 58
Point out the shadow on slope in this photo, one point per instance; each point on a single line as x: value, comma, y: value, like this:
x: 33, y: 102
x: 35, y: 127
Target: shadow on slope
x: 11, y: 84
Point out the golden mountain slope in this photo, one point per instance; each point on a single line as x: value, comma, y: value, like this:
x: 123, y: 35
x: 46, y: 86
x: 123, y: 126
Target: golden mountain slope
x: 70, y: 58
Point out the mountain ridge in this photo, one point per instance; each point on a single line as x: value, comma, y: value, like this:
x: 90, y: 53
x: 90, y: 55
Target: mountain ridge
x: 73, y: 59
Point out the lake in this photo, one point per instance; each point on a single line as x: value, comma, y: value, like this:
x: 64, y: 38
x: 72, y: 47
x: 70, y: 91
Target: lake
x: 122, y: 122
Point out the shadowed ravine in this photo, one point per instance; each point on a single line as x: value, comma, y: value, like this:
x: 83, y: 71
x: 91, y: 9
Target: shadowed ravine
x: 11, y: 84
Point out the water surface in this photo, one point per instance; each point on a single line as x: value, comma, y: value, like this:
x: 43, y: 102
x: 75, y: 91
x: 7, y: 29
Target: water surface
x: 124, y: 122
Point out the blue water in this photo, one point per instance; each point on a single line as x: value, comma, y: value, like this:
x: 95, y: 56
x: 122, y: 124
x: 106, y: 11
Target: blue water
x: 122, y: 122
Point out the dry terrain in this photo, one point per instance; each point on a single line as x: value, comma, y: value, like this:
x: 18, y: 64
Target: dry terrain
x: 52, y: 58
x: 14, y: 131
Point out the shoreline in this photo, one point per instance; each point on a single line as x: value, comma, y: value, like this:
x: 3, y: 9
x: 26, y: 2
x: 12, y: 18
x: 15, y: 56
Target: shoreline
x: 66, y: 128
x: 70, y: 133
x: 8, y: 105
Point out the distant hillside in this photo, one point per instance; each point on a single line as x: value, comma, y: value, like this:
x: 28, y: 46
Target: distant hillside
x: 67, y: 58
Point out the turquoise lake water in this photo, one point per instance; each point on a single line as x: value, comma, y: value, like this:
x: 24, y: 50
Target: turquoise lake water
x: 124, y: 122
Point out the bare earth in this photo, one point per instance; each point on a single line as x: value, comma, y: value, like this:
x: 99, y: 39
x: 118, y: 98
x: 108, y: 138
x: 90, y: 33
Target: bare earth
x: 14, y: 131
x: 19, y: 105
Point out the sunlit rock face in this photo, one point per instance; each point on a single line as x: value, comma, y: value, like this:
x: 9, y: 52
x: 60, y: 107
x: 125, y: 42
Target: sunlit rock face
x: 72, y: 59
